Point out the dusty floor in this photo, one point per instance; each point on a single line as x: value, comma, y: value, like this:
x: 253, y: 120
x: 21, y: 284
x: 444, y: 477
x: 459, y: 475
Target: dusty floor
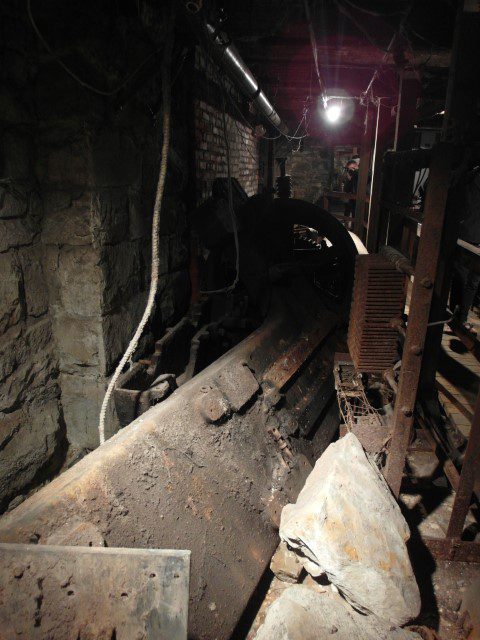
x: 427, y: 507
x: 442, y: 584
x: 458, y: 379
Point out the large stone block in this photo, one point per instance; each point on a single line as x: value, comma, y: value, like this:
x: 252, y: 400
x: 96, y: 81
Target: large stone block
x: 17, y: 232
x: 110, y: 215
x: 81, y: 401
x: 27, y: 367
x: 71, y: 225
x: 78, y: 341
x: 347, y: 525
x: 75, y: 280
x: 122, y: 272
x: 13, y: 203
x: 30, y: 448
x: 34, y: 285
x: 139, y: 216
x: 304, y: 613
x: 118, y: 329
x: 11, y: 305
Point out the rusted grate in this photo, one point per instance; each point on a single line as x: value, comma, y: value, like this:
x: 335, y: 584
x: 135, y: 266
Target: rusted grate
x: 378, y: 298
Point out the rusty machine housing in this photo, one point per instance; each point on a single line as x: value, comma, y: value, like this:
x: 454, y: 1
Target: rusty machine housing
x: 210, y: 465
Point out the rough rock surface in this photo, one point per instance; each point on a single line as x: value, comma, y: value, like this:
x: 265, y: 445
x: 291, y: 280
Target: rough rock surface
x: 347, y: 525
x: 285, y: 564
x: 302, y: 613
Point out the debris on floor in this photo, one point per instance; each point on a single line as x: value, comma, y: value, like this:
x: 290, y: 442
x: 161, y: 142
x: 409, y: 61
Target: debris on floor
x: 347, y: 525
x: 285, y: 564
x: 305, y: 613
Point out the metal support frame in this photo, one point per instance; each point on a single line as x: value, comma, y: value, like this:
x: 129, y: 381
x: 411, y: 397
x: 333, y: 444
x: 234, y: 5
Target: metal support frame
x: 425, y: 274
x: 467, y: 478
x: 436, y: 254
x: 376, y: 185
x: 367, y: 147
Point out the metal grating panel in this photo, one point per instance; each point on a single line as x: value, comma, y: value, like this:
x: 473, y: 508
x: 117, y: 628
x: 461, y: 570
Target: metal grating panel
x: 378, y: 297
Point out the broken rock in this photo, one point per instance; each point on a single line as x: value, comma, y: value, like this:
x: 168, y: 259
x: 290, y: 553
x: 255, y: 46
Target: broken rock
x: 301, y: 613
x: 346, y: 524
x: 285, y: 564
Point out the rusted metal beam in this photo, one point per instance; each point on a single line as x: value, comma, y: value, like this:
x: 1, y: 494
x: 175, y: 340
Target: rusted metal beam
x: 425, y: 274
x: 290, y: 362
x: 468, y: 475
x: 381, y: 126
x: 201, y: 471
x: 366, y: 155
x: 454, y: 550
x: 409, y: 91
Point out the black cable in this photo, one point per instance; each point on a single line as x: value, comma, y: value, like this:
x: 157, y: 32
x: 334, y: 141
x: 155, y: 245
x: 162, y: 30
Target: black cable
x: 359, y: 26
x: 84, y: 84
x: 313, y: 43
x: 370, y: 12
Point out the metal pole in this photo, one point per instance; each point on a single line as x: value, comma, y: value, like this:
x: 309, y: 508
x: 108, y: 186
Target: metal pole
x: 425, y: 274
x: 376, y: 185
x: 363, y: 176
x: 467, y: 478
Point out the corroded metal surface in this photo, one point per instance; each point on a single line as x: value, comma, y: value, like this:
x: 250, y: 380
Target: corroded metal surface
x: 378, y: 299
x: 210, y: 468
x: 200, y: 471
x: 66, y: 592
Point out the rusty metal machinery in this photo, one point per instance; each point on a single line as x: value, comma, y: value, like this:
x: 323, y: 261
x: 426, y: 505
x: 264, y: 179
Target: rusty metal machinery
x: 378, y: 302
x: 209, y: 467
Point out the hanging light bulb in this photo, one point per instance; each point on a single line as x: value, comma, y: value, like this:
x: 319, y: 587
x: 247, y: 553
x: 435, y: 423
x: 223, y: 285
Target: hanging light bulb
x: 333, y: 113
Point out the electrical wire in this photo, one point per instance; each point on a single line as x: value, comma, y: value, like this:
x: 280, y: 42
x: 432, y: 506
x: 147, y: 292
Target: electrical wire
x: 313, y: 43
x: 370, y: 12
x: 400, y: 28
x: 359, y: 25
x: 166, y: 100
x: 72, y: 74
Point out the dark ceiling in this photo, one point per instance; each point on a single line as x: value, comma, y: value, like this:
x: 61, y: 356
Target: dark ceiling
x: 353, y: 39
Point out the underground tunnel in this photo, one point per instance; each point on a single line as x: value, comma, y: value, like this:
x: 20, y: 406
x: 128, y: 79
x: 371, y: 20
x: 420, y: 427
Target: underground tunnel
x: 239, y: 364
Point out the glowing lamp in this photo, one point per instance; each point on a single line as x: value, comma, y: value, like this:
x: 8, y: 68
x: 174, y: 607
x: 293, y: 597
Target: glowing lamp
x: 333, y: 113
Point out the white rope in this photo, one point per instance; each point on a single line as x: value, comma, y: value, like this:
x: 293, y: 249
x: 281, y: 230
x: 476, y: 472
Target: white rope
x: 166, y: 99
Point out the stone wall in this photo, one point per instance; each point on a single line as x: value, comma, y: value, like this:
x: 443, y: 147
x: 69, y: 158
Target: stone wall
x: 78, y: 177
x: 310, y: 168
x: 313, y: 166
x: 32, y: 430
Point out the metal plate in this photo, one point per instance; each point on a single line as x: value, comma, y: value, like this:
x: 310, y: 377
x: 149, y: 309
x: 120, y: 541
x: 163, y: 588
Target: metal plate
x: 86, y: 593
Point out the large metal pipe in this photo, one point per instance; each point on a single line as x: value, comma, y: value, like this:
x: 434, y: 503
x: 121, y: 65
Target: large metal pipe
x: 226, y: 55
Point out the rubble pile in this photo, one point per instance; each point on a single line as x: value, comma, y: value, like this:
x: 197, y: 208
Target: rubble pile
x: 346, y: 530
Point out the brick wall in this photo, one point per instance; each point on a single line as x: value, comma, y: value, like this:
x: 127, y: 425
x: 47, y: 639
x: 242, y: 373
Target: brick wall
x: 210, y: 147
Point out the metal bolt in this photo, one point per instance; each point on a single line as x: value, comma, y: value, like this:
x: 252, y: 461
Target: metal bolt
x: 427, y: 283
x: 416, y: 349
x: 407, y: 412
